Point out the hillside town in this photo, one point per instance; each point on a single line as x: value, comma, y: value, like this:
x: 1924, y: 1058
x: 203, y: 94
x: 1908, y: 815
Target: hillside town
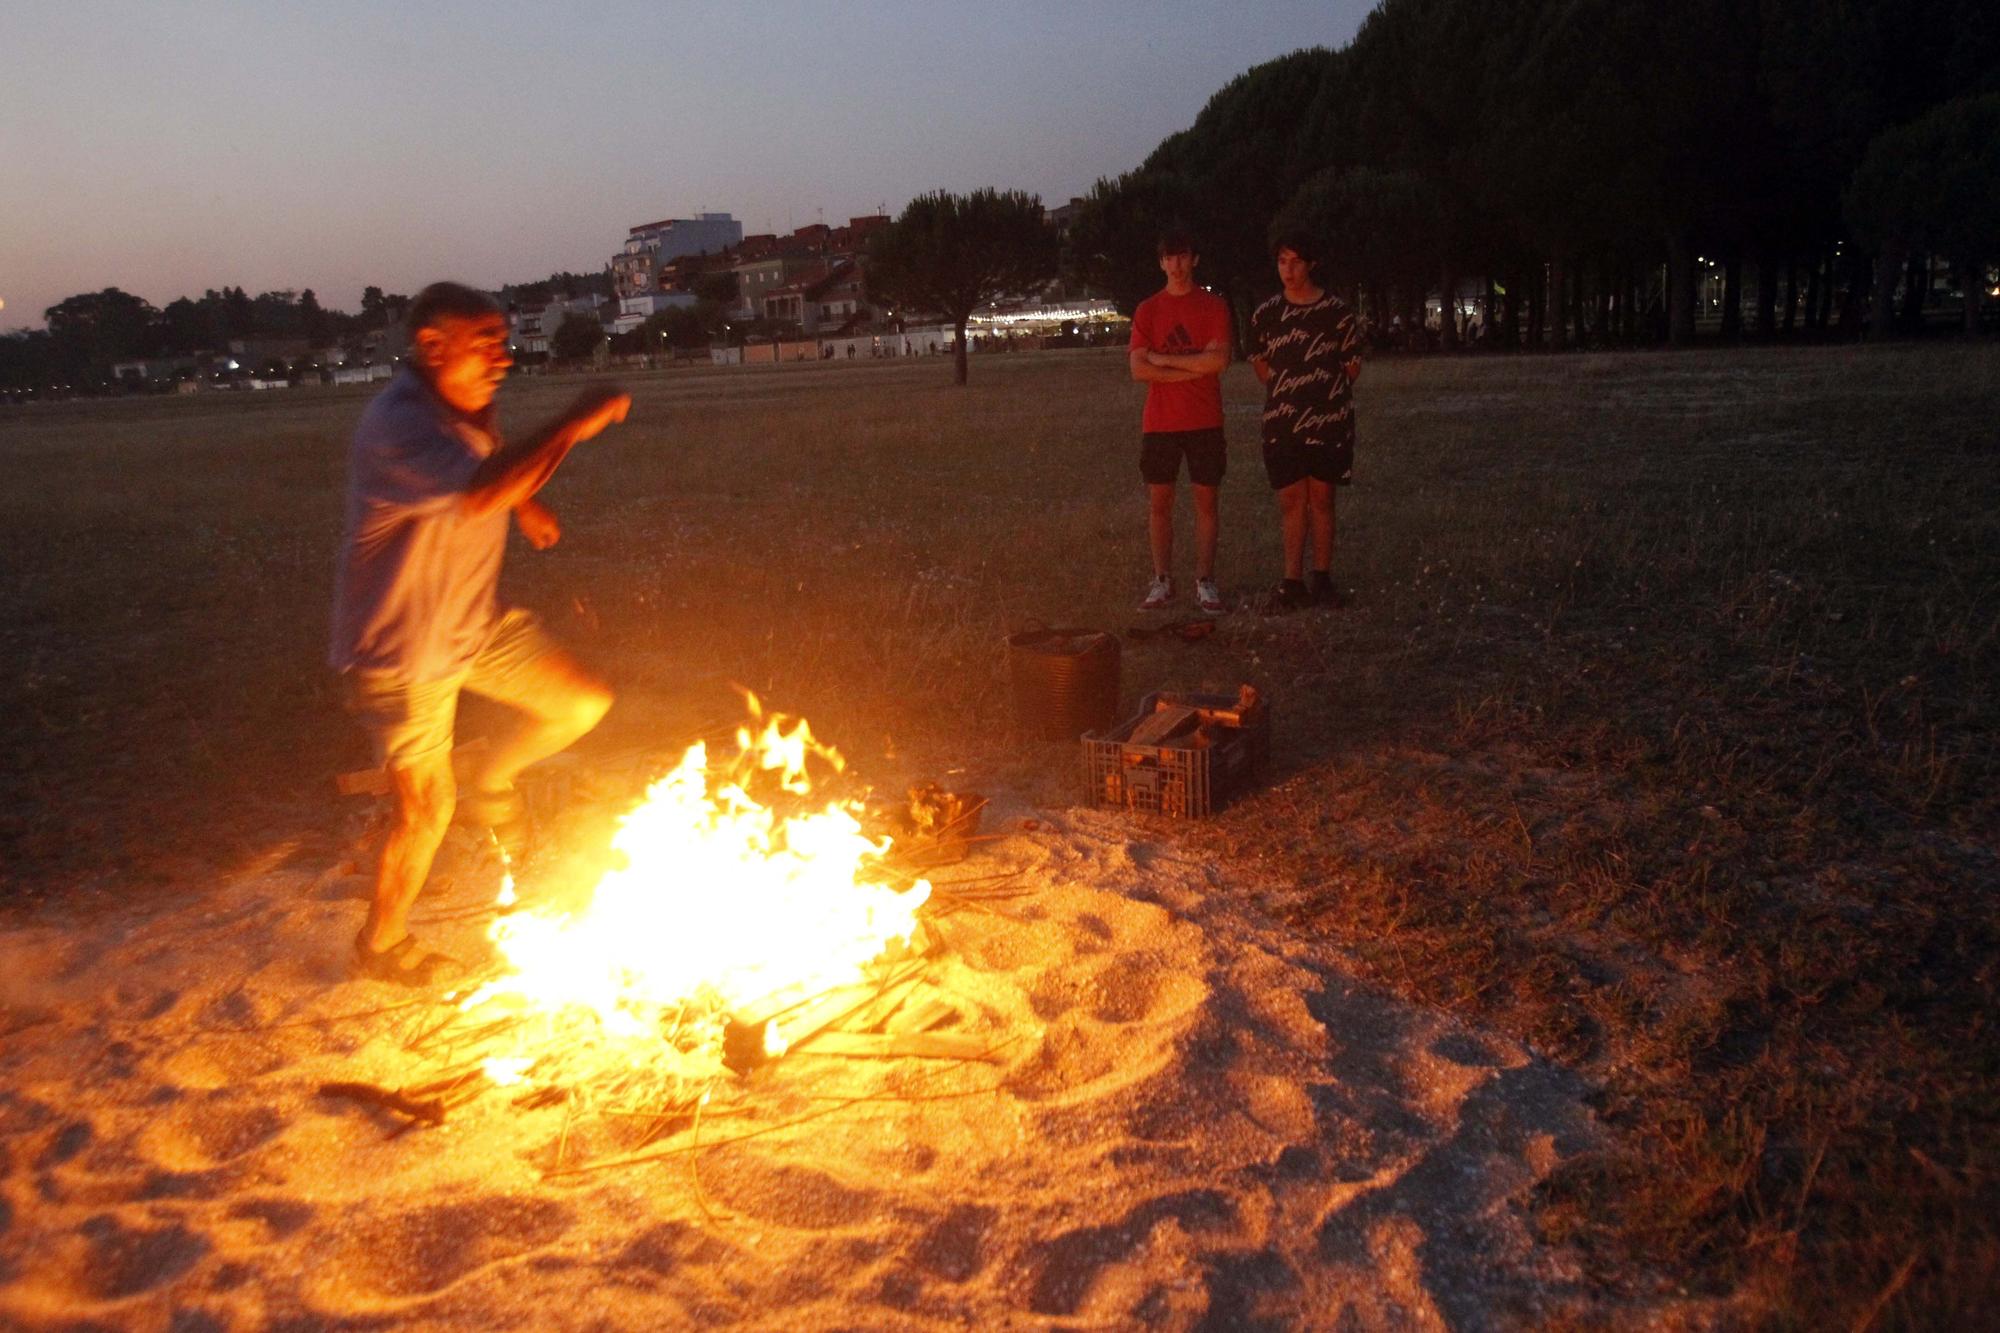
x: 700, y: 288
x: 676, y: 291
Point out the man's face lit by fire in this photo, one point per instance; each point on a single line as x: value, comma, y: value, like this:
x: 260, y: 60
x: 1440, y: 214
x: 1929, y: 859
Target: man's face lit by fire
x: 466, y: 360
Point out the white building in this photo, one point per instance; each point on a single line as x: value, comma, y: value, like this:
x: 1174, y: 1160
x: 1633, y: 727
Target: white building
x: 534, y: 325
x: 635, y: 269
x: 636, y: 310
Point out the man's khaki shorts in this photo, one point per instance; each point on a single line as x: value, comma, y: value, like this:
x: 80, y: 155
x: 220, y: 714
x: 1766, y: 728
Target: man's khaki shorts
x: 411, y: 723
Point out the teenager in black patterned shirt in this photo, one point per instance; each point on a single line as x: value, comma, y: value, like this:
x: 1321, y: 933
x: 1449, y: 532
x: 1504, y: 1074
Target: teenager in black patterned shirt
x: 1307, y: 352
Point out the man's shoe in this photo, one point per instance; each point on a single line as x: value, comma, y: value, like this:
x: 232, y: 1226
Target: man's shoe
x: 1320, y: 587
x: 1160, y: 594
x: 1287, y: 597
x: 1208, y: 597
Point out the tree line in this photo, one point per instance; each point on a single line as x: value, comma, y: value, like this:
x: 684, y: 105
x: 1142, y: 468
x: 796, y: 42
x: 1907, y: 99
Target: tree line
x: 1595, y: 170
x: 89, y: 333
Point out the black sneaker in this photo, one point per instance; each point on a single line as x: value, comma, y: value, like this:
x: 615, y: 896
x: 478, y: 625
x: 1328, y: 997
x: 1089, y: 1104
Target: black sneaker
x: 1287, y: 597
x: 1321, y: 589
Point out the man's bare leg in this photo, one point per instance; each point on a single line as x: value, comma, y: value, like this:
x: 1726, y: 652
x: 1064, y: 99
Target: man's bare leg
x: 425, y: 796
x: 1160, y: 526
x: 568, y: 701
x: 1205, y: 528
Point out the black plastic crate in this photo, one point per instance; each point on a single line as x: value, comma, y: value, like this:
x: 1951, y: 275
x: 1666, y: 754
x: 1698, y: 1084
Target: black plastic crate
x: 1180, y: 781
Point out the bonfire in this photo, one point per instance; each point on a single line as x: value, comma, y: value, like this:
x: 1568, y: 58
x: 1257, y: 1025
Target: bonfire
x: 733, y: 888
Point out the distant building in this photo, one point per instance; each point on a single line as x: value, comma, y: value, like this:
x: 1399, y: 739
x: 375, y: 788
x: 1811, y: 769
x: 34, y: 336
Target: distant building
x: 635, y: 270
x: 758, y: 278
x: 812, y: 277
x: 258, y: 352
x: 824, y: 296
x: 153, y: 368
x: 363, y: 374
x: 534, y: 325
x: 1062, y: 217
x: 636, y: 310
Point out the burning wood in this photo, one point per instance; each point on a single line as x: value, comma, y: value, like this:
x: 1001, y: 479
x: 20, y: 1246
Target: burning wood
x: 937, y: 827
x: 734, y: 890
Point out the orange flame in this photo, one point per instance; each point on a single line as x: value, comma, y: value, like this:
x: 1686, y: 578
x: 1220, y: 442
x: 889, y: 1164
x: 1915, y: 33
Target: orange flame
x: 719, y: 901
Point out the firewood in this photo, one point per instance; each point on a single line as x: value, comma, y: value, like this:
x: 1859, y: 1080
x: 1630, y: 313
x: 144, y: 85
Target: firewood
x: 888, y: 1002
x: 888, y: 1045
x: 1162, y: 725
x: 922, y: 1017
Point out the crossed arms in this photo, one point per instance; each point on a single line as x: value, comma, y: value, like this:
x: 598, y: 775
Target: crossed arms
x: 1177, y: 367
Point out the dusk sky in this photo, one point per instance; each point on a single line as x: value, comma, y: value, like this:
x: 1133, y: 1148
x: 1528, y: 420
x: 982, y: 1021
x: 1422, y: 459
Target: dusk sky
x: 166, y: 148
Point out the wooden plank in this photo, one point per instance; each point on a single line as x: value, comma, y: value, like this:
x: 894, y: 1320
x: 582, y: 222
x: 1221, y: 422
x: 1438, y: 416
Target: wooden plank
x: 923, y: 1017
x: 888, y: 1002
x: 1159, y: 726
x: 822, y: 1013
x: 890, y: 1045
x: 787, y: 999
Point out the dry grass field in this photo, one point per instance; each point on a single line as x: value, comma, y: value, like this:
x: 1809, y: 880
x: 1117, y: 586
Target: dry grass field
x: 1661, y: 732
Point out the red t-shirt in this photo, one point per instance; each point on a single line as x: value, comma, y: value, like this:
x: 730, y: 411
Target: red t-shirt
x: 1179, y: 325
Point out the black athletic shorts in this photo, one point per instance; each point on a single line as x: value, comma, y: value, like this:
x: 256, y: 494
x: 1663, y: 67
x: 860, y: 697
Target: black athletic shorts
x: 1288, y: 462
x: 1160, y: 456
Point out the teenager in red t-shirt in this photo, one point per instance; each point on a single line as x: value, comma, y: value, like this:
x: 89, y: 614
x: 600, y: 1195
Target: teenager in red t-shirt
x: 1180, y: 344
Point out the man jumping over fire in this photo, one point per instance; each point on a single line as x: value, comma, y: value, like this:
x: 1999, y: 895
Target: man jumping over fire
x: 416, y: 611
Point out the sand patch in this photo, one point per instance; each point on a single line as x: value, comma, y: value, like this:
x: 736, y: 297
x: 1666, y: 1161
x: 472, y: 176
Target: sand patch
x: 1192, y: 1120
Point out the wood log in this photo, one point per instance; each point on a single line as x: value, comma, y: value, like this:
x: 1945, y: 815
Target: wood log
x: 1160, y: 726
x: 923, y: 1017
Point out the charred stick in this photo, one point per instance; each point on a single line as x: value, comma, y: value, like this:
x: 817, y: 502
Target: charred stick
x: 429, y: 1111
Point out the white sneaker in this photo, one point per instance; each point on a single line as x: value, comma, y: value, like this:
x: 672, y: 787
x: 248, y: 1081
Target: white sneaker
x: 1208, y: 597
x: 1160, y: 594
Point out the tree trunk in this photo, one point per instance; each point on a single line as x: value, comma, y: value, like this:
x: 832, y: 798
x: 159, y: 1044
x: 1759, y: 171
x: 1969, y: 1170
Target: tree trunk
x: 1605, y: 305
x: 1448, y: 310
x: 1888, y: 274
x: 1917, y: 287
x: 1537, y: 276
x: 1558, y: 305
x: 1791, y: 295
x: 1972, y: 281
x: 1510, y: 314
x: 1732, y: 298
x: 1680, y: 292
x: 958, y: 354
x: 1767, y: 296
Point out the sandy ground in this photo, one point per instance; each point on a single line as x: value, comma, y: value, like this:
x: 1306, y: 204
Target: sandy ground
x: 1194, y: 1122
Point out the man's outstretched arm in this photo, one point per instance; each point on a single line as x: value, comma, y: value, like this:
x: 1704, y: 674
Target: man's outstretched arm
x: 518, y: 471
x: 537, y: 523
